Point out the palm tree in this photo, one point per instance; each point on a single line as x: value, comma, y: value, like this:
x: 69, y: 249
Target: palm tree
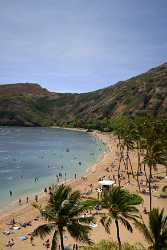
x: 156, y: 232
x: 128, y: 143
x: 155, y: 151
x: 63, y: 212
x: 154, y: 155
x: 120, y: 132
x: 137, y: 139
x: 121, y: 208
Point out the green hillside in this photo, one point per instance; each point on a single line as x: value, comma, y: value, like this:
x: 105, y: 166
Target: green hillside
x: 30, y: 105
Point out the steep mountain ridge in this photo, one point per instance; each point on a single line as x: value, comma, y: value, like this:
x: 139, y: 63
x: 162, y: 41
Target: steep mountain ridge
x: 23, y: 88
x: 30, y: 105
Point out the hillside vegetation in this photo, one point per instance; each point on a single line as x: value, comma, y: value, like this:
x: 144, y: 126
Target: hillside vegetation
x: 31, y: 105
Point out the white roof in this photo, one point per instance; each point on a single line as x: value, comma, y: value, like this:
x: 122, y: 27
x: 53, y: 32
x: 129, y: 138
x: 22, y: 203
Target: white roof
x: 106, y: 182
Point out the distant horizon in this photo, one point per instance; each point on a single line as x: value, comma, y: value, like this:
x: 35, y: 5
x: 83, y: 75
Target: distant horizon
x: 56, y: 91
x: 80, y: 46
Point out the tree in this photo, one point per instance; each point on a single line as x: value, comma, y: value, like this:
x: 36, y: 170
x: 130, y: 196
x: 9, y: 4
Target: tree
x: 119, y: 132
x: 121, y: 208
x: 155, y: 151
x: 107, y: 245
x: 136, y: 135
x: 63, y: 212
x: 156, y: 231
x: 128, y: 142
x: 125, y: 145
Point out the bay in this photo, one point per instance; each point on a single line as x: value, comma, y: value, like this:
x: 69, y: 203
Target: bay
x: 32, y: 158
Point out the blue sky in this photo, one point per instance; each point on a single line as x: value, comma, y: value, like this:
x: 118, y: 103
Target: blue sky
x: 80, y: 45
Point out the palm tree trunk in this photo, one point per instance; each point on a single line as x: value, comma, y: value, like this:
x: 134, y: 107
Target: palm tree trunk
x: 124, y: 162
x: 145, y: 173
x: 138, y: 155
x: 127, y: 169
x: 118, y: 236
x: 61, y: 238
x: 138, y: 168
x: 54, y: 241
x: 130, y: 165
x: 138, y: 182
x: 119, y: 141
x: 119, y: 166
x: 149, y: 185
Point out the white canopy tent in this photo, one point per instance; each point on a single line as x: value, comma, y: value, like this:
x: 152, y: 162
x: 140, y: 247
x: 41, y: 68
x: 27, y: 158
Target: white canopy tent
x: 106, y: 183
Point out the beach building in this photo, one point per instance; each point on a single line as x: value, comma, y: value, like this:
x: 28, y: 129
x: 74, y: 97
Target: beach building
x: 106, y: 185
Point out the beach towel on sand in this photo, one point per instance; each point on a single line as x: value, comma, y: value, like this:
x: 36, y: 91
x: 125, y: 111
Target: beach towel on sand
x: 23, y: 238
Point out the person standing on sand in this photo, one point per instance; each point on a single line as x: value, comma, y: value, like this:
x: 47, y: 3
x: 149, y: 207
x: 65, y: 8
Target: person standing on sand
x: 19, y: 201
x: 27, y: 199
x: 31, y: 240
x: 50, y: 190
x: 36, y: 198
x: 13, y: 221
x: 10, y: 193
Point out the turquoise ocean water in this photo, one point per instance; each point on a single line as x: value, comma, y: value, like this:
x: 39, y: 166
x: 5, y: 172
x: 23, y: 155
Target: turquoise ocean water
x: 27, y: 154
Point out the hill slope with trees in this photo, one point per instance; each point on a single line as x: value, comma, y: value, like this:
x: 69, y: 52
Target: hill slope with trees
x: 26, y: 104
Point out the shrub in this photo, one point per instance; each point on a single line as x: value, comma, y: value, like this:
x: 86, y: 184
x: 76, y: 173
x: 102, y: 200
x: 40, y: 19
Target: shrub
x: 106, y: 245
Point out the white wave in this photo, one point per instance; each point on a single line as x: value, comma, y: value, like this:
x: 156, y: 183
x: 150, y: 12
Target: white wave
x: 4, y: 171
x: 10, y: 178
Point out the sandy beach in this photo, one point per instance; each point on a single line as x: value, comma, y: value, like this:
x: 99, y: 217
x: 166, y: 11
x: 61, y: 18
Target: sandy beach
x: 106, y: 166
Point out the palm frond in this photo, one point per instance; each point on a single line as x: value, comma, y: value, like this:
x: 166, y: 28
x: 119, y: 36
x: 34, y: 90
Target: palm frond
x: 126, y: 224
x: 43, y: 230
x: 106, y: 222
x: 87, y: 220
x: 79, y: 232
x: 54, y: 240
x: 75, y: 196
x: 143, y: 228
x: 135, y: 199
x: 89, y: 203
x: 48, y: 213
x: 158, y: 226
x: 58, y: 195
